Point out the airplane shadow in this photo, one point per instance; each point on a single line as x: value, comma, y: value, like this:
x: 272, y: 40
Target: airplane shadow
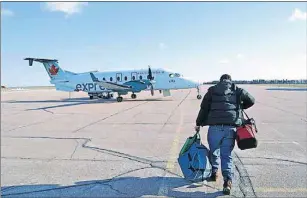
x: 117, y: 187
x: 78, y: 101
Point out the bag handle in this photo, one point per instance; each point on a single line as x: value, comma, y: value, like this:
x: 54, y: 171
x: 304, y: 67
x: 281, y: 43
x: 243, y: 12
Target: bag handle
x: 238, y: 108
x: 245, y: 114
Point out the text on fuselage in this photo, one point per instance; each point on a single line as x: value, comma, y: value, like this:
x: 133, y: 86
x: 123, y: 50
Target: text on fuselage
x: 89, y: 87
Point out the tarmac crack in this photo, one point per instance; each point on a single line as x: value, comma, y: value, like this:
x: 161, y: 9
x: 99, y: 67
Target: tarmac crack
x: 105, y: 182
x: 121, y: 111
x: 149, y: 163
x: 245, y: 183
x: 111, y: 187
x: 74, y: 149
x: 106, y: 151
x: 57, y: 159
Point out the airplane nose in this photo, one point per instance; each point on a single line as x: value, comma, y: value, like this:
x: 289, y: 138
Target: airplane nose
x: 192, y: 83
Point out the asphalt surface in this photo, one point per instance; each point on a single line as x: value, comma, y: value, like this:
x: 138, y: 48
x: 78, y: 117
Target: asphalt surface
x: 53, y: 146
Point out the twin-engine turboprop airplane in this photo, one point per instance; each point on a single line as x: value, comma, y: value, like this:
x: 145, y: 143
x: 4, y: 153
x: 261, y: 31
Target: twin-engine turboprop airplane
x: 104, y: 84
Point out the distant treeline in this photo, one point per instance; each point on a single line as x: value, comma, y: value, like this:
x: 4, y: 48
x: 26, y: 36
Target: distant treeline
x: 260, y: 81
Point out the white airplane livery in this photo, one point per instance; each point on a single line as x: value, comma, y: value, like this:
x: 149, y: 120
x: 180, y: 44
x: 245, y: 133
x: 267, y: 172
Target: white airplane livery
x: 104, y: 84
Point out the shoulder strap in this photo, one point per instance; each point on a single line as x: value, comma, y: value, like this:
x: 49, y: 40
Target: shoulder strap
x: 239, y: 92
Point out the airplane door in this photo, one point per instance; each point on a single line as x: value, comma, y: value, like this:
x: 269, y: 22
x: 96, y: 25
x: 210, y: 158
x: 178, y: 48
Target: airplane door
x: 119, y: 77
x: 134, y: 76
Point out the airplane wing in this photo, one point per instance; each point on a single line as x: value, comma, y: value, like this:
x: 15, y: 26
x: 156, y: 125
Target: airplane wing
x: 110, y: 85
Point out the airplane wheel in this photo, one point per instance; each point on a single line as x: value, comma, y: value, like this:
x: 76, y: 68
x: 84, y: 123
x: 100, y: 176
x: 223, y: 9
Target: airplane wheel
x: 91, y: 97
x: 133, y: 96
x: 119, y: 99
x: 198, y: 97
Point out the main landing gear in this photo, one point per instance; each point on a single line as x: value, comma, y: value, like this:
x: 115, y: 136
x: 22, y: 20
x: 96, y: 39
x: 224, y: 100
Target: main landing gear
x: 119, y: 99
x: 108, y: 96
x: 133, y: 96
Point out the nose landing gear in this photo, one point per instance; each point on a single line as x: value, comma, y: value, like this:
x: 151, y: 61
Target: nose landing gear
x: 198, y: 94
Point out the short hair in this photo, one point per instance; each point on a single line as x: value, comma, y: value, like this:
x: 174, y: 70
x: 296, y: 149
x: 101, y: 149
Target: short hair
x: 225, y: 77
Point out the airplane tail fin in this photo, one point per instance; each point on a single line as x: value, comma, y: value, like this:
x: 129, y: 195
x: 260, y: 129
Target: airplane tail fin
x: 52, y: 67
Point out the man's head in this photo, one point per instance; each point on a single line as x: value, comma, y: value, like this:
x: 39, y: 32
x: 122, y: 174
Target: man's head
x: 225, y: 77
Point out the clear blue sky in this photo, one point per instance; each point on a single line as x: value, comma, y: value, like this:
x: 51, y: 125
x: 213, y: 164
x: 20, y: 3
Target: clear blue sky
x: 201, y: 40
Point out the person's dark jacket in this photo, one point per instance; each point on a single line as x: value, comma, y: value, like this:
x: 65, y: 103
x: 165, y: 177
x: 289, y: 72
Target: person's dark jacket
x: 219, y: 105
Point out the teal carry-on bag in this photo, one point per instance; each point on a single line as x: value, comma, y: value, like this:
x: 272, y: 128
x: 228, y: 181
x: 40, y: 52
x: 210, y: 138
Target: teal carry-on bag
x: 194, y: 160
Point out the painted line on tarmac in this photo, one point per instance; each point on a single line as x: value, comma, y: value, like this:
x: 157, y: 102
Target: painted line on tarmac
x: 163, y: 190
x: 281, y: 190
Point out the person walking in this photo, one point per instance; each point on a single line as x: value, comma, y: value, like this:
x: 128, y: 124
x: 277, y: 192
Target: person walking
x: 220, y: 111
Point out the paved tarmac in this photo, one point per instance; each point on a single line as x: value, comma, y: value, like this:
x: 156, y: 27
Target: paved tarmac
x: 53, y: 146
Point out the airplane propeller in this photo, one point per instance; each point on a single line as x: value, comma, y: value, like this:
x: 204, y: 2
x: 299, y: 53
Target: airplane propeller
x: 150, y: 78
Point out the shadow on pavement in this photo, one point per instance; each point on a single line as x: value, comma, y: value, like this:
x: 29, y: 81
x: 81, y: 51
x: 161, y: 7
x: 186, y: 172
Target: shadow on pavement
x: 78, y: 101
x: 118, y: 187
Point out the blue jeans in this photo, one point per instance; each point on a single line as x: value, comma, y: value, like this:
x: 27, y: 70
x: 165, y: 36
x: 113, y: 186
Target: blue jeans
x: 221, y: 140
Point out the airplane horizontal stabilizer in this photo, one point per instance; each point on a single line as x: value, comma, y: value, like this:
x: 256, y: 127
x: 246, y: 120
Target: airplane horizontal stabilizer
x: 42, y: 60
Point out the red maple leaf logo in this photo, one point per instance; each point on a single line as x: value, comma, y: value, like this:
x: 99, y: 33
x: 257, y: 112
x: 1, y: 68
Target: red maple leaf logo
x: 53, y: 70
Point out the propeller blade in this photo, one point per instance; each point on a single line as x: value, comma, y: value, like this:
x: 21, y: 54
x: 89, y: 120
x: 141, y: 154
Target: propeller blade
x: 149, y: 73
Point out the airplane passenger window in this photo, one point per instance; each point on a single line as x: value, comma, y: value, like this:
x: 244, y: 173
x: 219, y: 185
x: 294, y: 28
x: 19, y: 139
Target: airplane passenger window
x: 111, y: 79
x: 126, y: 78
x: 118, y: 78
x: 133, y: 77
x: 104, y: 78
x: 141, y: 77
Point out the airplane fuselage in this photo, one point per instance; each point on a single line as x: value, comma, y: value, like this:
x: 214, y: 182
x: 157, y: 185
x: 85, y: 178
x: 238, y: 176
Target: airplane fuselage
x: 164, y: 80
x: 120, y: 82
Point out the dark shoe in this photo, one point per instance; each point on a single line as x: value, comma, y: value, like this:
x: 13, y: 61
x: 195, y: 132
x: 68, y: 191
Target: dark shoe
x: 213, y: 176
x: 227, y: 187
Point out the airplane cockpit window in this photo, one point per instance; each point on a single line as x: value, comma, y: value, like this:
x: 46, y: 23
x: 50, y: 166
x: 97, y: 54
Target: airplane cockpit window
x: 174, y: 75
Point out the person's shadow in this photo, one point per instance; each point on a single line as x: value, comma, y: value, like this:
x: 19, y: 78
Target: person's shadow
x: 118, y: 187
